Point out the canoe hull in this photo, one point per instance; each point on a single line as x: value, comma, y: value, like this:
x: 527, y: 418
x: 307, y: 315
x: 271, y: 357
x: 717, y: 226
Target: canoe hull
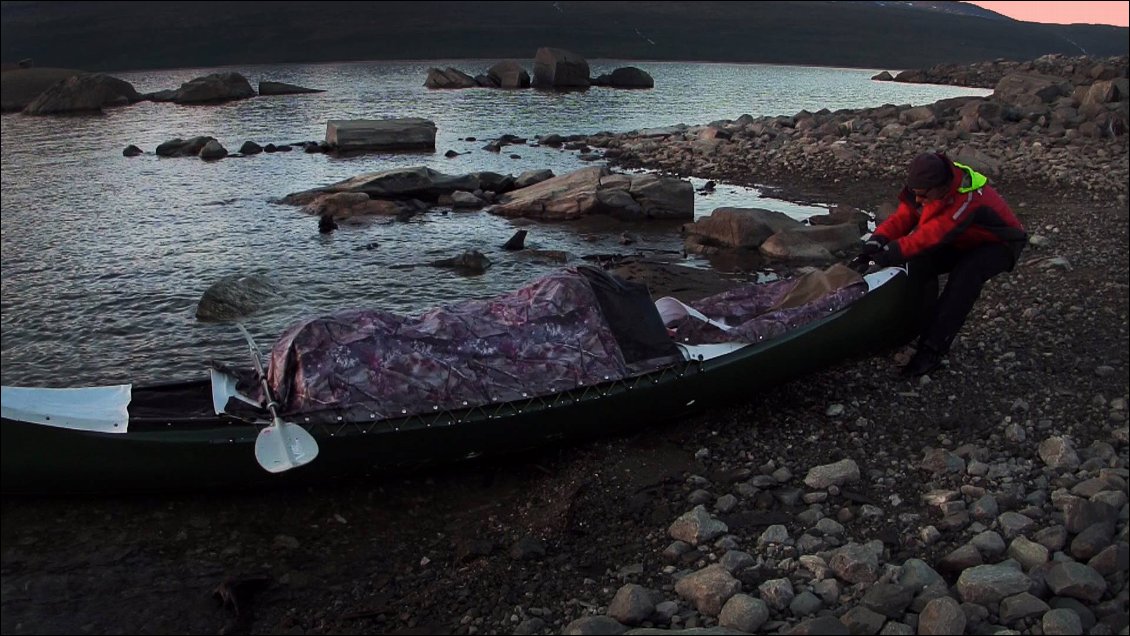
x: 216, y: 452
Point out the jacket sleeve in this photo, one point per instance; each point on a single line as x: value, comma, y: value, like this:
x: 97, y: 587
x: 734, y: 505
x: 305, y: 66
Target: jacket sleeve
x: 901, y: 222
x: 940, y: 228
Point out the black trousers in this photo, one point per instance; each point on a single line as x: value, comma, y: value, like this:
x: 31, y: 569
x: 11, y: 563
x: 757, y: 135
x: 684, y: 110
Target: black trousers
x: 941, y: 317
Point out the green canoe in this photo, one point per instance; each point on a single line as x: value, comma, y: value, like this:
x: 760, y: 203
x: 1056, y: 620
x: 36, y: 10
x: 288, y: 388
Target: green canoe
x: 170, y: 437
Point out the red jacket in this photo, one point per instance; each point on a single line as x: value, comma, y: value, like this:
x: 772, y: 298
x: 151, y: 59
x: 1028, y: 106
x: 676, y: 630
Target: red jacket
x: 971, y: 214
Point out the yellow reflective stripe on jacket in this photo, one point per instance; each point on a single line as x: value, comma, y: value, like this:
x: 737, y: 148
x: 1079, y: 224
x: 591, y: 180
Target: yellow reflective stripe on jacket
x: 976, y: 179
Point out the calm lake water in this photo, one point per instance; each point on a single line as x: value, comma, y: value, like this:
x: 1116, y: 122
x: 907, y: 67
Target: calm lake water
x: 104, y: 257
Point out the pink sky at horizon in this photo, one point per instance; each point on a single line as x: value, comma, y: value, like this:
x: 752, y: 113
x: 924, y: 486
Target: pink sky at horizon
x: 1113, y: 13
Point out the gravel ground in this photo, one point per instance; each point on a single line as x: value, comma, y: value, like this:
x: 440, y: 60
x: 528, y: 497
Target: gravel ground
x: 1026, y: 420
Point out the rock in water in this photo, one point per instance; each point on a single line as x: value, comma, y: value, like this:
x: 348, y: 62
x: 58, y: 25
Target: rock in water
x: 235, y: 296
x: 516, y: 242
x: 469, y: 262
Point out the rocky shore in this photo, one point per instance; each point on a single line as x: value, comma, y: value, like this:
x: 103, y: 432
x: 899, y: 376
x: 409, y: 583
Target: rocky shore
x: 1077, y: 70
x: 1062, y: 130
x: 987, y: 498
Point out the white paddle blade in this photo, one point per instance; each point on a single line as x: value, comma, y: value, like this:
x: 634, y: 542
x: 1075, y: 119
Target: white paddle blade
x: 282, y: 446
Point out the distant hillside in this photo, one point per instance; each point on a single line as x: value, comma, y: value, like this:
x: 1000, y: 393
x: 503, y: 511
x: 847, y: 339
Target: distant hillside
x: 889, y: 35
x: 956, y: 8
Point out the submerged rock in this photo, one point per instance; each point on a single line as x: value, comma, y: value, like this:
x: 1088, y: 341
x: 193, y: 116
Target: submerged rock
x: 236, y: 296
x: 282, y: 88
x: 469, y: 262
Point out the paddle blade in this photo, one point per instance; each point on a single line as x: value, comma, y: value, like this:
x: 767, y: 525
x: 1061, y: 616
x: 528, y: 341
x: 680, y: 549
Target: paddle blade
x: 282, y: 446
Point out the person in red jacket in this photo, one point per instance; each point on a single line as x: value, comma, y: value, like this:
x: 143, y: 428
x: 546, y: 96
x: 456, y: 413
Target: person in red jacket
x: 949, y: 220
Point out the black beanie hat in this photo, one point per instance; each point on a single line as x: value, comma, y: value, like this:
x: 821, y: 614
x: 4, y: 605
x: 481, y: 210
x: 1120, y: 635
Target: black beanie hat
x: 928, y: 170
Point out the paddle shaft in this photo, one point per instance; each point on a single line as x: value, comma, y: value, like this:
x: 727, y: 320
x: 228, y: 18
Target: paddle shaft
x: 272, y: 406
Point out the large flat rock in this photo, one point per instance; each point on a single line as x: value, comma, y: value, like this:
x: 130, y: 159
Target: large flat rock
x: 417, y: 182
x: 410, y: 133
x: 595, y: 190
x: 569, y: 196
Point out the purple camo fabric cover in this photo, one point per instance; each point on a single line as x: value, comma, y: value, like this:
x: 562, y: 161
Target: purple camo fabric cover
x: 369, y: 364
x: 744, y: 309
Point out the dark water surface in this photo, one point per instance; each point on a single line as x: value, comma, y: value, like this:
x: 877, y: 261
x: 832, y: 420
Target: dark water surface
x: 104, y: 258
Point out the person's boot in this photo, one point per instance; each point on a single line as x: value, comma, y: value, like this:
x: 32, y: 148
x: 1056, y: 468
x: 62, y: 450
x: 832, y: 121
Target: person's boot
x: 925, y: 360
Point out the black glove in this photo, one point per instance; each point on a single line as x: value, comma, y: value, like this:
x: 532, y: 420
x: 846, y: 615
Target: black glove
x: 860, y: 263
x: 867, y: 252
x: 888, y: 256
x: 872, y: 245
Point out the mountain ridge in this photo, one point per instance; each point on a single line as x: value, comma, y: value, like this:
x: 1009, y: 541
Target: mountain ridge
x: 115, y: 36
